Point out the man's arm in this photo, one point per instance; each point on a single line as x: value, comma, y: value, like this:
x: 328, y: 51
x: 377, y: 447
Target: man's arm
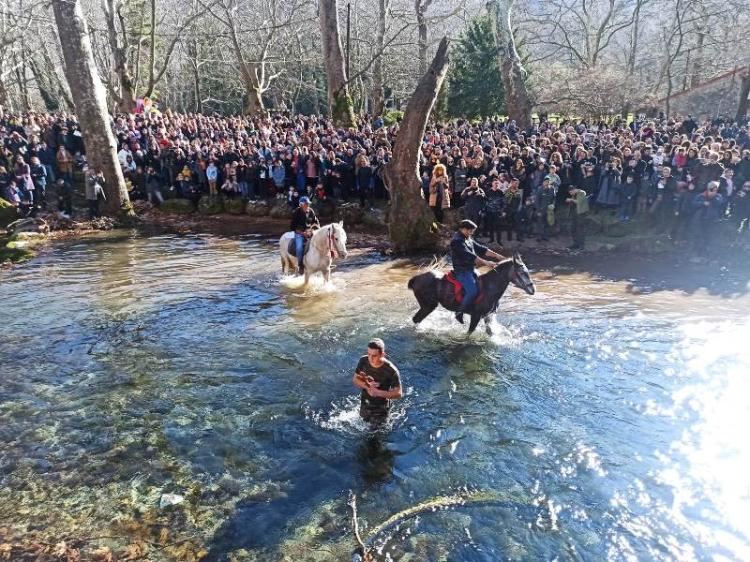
x: 394, y: 394
x: 482, y: 252
x: 360, y: 380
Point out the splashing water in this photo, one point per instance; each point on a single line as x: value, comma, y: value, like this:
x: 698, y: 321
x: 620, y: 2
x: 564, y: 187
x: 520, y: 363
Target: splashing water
x: 140, y: 369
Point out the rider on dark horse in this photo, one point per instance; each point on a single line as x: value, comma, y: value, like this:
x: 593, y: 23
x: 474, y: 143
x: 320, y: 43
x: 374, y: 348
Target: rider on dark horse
x: 303, y: 219
x: 465, y: 254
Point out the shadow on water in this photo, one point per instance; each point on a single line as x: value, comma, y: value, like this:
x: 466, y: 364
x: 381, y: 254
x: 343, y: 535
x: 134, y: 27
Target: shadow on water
x: 182, y: 365
x: 648, y: 274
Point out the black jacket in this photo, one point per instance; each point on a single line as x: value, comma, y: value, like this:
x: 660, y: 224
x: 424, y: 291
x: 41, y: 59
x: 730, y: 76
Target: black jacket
x: 464, y: 252
x: 302, y: 220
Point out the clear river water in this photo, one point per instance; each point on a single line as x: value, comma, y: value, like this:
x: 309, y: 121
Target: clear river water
x: 171, y: 392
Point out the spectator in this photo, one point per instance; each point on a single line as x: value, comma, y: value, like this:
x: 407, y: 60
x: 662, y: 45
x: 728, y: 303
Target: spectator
x: 545, y: 205
x: 474, y: 201
x: 95, y: 183
x: 708, y: 206
x: 64, y: 196
x: 579, y: 208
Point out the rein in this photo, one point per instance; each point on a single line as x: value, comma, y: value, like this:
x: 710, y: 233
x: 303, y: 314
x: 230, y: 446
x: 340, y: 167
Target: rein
x: 513, y: 277
x: 331, y: 244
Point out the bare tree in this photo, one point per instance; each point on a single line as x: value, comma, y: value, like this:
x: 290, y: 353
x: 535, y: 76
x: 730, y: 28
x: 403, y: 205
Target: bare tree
x: 411, y: 227
x: 91, y: 105
x: 378, y: 91
x: 512, y: 71
x: 117, y: 35
x: 340, y: 103
x: 420, y: 9
x: 581, y: 29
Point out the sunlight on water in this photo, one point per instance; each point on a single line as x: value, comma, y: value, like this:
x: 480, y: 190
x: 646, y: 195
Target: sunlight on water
x: 716, y: 445
x: 605, y: 424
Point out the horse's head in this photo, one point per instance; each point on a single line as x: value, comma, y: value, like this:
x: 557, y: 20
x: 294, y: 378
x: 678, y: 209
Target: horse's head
x: 338, y: 238
x: 520, y: 276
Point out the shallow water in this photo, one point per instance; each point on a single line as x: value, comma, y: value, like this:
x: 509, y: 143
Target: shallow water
x: 605, y: 425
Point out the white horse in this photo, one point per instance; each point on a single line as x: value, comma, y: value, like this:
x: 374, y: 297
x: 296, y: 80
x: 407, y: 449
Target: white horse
x: 326, y: 244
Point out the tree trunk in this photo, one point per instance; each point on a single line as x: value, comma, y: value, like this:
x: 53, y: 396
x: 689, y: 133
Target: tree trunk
x: 253, y: 100
x: 744, y: 93
x: 126, y: 96
x: 91, y: 105
x: 697, y: 72
x: 411, y: 227
x: 513, y: 74
x: 340, y: 103
x: 378, y: 91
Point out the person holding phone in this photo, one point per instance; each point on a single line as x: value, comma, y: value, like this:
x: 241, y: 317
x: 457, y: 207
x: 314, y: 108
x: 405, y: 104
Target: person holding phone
x: 380, y: 382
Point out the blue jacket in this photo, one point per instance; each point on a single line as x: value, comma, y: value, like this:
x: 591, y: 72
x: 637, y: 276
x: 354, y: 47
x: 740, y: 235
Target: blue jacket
x: 464, y: 252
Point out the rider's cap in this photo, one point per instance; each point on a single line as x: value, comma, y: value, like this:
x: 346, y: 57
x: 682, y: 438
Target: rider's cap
x: 304, y: 200
x: 466, y: 223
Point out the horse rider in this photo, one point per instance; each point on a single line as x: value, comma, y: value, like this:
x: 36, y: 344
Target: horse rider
x: 465, y: 254
x: 303, y: 219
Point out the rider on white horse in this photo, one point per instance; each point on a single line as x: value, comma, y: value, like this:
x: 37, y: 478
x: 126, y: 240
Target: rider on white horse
x: 302, y: 220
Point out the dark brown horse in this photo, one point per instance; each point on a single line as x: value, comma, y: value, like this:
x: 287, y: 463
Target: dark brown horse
x: 432, y: 289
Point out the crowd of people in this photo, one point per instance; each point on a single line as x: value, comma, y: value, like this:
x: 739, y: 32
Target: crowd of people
x: 683, y: 176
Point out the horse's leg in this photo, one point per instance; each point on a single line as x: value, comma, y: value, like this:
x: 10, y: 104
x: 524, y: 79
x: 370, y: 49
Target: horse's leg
x: 426, y: 305
x: 475, y: 318
x: 488, y: 324
x: 423, y: 313
x: 327, y: 274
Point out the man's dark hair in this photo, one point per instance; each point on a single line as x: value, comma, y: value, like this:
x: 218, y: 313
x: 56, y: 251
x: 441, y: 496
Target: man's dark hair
x: 378, y: 344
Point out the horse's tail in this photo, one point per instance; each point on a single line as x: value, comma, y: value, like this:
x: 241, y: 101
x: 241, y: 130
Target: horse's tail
x: 435, y: 267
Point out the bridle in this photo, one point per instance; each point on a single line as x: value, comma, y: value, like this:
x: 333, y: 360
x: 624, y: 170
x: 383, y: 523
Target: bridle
x: 331, y: 238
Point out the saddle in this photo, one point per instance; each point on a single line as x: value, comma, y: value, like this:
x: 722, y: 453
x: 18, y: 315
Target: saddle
x: 458, y: 289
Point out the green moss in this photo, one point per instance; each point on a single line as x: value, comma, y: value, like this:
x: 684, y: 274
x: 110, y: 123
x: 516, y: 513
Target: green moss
x: 343, y: 110
x: 8, y: 213
x: 178, y: 206
x: 16, y: 251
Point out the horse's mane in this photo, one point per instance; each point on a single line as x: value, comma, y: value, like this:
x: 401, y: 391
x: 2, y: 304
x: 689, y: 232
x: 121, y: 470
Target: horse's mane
x: 438, y: 264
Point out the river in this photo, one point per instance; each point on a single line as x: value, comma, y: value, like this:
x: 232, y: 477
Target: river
x: 606, y: 419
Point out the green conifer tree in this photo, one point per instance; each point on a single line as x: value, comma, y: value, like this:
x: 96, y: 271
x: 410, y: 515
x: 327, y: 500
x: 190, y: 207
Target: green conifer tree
x: 475, y: 88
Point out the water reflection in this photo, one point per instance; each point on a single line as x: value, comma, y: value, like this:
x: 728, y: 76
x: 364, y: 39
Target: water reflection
x: 376, y: 461
x: 609, y: 424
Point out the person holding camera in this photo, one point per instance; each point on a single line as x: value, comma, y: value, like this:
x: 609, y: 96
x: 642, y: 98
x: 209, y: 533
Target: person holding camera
x: 94, y: 191
x: 474, y: 201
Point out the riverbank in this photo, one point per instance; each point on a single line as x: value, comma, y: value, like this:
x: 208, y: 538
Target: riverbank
x: 367, y: 231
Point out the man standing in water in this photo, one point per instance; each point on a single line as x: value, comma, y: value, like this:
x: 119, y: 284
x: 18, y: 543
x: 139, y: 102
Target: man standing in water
x: 380, y: 383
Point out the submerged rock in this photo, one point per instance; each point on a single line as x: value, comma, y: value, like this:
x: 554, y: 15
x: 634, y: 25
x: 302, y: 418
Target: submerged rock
x: 170, y: 499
